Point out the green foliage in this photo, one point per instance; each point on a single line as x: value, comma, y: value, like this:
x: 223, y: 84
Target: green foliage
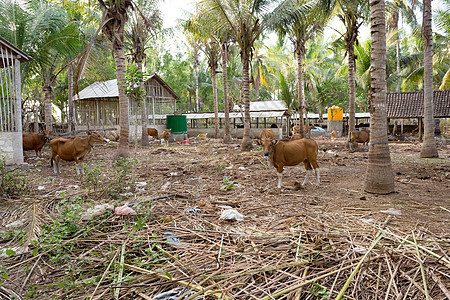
x: 228, y: 185
x: 320, y: 292
x: 219, y: 168
x: 122, y: 182
x: 13, y: 183
x: 134, y: 84
x: 92, y: 176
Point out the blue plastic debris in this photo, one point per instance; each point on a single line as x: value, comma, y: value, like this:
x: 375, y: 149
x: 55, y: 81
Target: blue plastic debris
x: 171, y: 239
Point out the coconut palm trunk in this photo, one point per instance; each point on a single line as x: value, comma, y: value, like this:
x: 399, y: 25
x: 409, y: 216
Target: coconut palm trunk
x: 144, y: 115
x: 351, y: 87
x: 70, y: 97
x: 213, y: 66
x: 227, y: 135
x: 301, y: 108
x: 47, y: 89
x: 379, y: 176
x: 119, y: 57
x: 429, y: 148
x: 246, y: 141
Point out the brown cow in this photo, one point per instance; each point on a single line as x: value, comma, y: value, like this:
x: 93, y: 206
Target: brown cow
x: 359, y: 136
x: 166, y: 136
x: 35, y: 141
x: 152, y: 132
x: 333, y: 135
x: 265, y: 134
x: 296, y: 129
x: 73, y: 149
x: 291, y: 153
x: 112, y: 135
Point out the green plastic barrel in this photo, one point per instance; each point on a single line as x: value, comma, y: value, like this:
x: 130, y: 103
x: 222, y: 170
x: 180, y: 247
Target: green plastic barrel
x: 177, y: 123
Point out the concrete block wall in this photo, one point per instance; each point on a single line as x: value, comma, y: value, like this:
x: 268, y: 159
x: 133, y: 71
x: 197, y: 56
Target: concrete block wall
x: 11, y: 147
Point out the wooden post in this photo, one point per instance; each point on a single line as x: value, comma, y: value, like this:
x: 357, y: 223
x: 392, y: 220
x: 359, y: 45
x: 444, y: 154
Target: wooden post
x: 420, y: 129
x: 36, y: 120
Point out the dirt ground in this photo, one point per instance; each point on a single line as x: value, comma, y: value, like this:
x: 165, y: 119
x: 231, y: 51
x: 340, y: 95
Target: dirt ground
x: 197, y: 169
x: 291, y: 244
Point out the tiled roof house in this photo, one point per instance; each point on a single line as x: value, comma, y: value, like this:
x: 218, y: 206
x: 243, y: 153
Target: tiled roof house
x: 410, y: 104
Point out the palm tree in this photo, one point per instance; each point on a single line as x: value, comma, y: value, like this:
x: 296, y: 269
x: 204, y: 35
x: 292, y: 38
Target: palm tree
x: 224, y: 43
x: 141, y: 29
x: 301, y: 22
x: 443, y: 22
x: 379, y: 176
x: 243, y: 18
x: 43, y: 31
x: 208, y: 39
x: 429, y: 148
x: 114, y: 18
x: 352, y: 14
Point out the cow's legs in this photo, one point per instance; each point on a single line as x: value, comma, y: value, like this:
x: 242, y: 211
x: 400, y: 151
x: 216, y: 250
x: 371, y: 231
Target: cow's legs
x: 308, y: 171
x: 280, y: 177
x: 77, y: 166
x: 81, y: 165
x: 315, y: 165
x: 56, y: 165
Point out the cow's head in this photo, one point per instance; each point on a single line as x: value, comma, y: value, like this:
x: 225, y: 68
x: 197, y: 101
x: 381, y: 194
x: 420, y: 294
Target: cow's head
x: 96, y: 138
x: 268, y: 144
x: 47, y: 135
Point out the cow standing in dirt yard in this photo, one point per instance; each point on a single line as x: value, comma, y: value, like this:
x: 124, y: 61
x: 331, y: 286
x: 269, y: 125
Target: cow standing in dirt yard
x: 153, y: 132
x: 73, y: 149
x: 359, y: 136
x: 291, y: 153
x: 166, y: 136
x: 35, y: 141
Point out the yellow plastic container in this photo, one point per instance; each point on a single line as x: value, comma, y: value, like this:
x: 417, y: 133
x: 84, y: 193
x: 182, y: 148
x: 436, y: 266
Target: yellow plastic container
x: 335, y: 113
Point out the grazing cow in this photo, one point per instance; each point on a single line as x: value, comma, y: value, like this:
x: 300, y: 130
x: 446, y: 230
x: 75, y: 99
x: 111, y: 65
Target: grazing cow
x: 296, y: 129
x: 112, y: 135
x: 333, y: 135
x: 152, y: 132
x: 265, y: 134
x: 73, y: 149
x: 360, y: 136
x: 291, y: 153
x: 166, y: 136
x: 35, y: 141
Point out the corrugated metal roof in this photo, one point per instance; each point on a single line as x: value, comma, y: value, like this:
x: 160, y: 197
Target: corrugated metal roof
x: 272, y: 105
x: 235, y: 115
x: 109, y: 89
x: 410, y: 104
x: 99, y: 89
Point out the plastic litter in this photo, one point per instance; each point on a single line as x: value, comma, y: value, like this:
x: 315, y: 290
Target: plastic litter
x: 41, y: 187
x: 224, y: 206
x: 124, y: 210
x: 360, y: 250
x: 174, y: 294
x: 193, y: 210
x: 392, y: 211
x: 368, y: 221
x: 97, y: 210
x: 171, y: 239
x: 231, y: 214
x: 242, y: 168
